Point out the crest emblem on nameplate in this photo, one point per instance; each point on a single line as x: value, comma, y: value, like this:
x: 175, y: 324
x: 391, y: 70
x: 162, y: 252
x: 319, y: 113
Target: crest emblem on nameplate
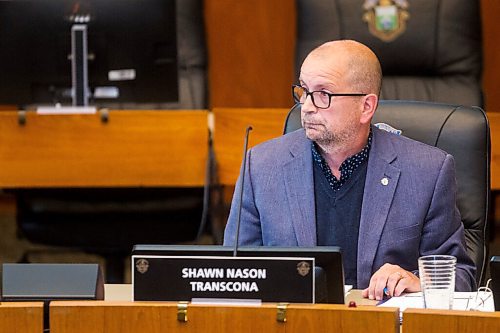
x: 386, y: 19
x: 142, y: 265
x: 303, y: 268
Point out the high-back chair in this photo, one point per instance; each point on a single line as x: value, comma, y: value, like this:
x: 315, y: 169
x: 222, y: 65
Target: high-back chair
x: 429, y: 50
x: 464, y: 133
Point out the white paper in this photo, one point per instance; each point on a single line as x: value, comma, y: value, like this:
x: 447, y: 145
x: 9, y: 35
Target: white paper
x: 461, y: 301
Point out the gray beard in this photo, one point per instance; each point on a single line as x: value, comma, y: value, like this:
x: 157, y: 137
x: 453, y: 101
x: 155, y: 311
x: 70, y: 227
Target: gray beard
x: 332, y: 142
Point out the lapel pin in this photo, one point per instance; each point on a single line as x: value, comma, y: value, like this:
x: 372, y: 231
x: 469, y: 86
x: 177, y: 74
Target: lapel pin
x: 384, y: 181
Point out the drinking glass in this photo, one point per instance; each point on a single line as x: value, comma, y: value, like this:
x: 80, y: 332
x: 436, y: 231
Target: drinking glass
x: 437, y: 280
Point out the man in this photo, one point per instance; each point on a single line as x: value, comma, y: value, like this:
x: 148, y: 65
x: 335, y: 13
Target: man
x: 384, y: 199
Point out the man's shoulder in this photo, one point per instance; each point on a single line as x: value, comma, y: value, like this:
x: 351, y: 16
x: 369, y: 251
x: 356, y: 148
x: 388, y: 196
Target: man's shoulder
x: 405, y: 145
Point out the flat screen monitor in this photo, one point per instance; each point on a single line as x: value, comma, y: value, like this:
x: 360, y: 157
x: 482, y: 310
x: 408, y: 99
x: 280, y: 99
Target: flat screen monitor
x: 132, y: 52
x: 329, y: 274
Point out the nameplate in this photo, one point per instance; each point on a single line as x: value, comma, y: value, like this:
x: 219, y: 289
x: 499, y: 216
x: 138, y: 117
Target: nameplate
x: 183, y: 278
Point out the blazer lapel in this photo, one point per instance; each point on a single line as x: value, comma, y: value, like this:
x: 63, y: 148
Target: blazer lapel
x: 380, y: 185
x: 299, y: 186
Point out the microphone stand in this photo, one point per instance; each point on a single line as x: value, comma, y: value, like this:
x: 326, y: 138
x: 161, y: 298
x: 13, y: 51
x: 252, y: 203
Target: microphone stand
x: 242, y: 177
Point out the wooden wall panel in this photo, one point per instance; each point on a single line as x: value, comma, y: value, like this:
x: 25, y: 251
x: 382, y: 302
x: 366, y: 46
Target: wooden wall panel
x: 251, y: 47
x: 251, y: 50
x: 490, y: 11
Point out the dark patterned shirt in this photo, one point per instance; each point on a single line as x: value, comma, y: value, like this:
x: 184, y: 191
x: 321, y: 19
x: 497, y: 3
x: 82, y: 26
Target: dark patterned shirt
x: 347, y: 167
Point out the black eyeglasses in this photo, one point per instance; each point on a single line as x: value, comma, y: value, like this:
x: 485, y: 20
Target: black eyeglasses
x: 320, y: 99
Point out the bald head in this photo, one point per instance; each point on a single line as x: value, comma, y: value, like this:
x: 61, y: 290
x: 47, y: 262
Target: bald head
x: 361, y: 68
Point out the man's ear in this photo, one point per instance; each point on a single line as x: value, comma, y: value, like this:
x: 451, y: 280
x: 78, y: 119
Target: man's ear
x: 370, y: 103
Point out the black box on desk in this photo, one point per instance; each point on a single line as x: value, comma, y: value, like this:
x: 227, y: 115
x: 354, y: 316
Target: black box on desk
x: 47, y: 282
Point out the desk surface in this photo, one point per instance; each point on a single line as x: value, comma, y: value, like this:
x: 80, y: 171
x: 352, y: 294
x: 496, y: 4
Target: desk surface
x: 123, y: 292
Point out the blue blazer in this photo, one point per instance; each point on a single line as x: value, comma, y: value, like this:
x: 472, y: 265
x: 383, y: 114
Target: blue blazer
x: 408, y: 210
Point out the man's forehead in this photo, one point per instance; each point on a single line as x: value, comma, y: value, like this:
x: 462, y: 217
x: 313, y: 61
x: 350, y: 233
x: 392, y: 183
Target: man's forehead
x: 318, y: 81
x: 322, y: 73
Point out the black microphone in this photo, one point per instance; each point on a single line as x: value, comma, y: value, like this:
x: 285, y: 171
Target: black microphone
x: 242, y: 177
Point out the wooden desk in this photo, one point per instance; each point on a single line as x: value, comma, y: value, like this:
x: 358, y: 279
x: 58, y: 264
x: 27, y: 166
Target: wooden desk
x: 229, y: 135
x: 135, y: 148
x: 440, y: 321
x: 21, y: 317
x: 142, y: 148
x: 156, y: 317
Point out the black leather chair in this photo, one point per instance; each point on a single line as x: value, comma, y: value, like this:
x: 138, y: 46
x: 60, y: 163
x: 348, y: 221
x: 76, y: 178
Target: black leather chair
x: 109, y: 221
x: 459, y: 130
x: 437, y: 56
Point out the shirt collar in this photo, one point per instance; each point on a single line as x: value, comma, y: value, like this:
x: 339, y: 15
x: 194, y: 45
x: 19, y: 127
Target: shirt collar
x: 347, y: 167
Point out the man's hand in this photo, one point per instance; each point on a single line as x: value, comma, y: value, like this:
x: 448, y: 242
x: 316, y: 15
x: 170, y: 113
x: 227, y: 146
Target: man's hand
x: 394, y: 280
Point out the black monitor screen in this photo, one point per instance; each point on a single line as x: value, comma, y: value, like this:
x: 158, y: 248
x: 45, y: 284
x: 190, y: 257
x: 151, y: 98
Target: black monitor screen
x: 329, y: 274
x: 132, y: 53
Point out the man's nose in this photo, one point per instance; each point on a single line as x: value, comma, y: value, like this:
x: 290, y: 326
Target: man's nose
x: 308, y: 105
